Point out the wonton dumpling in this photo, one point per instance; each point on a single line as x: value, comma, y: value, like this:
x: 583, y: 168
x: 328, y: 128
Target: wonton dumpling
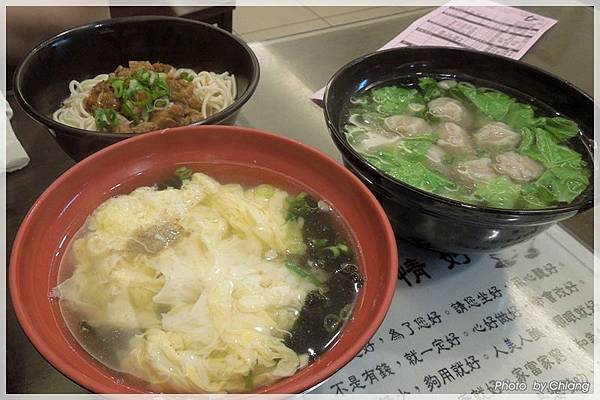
x: 454, y: 139
x: 376, y: 139
x: 497, y: 135
x: 476, y: 171
x: 434, y: 158
x: 450, y: 110
x: 407, y: 125
x: 518, y: 167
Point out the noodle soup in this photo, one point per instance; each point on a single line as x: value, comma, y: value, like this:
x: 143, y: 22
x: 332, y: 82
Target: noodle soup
x: 471, y: 144
x: 198, y: 286
x: 144, y: 97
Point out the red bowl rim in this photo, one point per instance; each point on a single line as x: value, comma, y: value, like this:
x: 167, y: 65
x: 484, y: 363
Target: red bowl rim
x: 319, y: 376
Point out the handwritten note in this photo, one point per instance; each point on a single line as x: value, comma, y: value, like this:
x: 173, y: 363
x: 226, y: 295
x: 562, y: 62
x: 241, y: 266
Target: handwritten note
x: 492, y: 28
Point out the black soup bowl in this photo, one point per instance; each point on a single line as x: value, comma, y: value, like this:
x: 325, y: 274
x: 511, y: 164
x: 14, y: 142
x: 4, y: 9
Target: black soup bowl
x: 41, y: 82
x: 435, y: 222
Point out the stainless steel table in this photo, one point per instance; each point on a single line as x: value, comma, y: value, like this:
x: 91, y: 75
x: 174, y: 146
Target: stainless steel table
x: 292, y: 69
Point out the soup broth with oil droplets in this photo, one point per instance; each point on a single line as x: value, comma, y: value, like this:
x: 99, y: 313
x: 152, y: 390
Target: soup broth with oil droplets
x: 471, y: 144
x: 193, y: 286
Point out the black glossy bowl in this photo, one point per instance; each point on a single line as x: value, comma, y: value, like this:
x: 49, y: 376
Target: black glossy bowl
x: 432, y: 221
x: 41, y: 82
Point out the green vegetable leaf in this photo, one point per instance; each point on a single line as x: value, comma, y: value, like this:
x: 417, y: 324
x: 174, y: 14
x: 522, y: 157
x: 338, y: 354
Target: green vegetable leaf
x: 499, y: 193
x: 396, y: 100
x: 519, y: 115
x: 531, y: 197
x: 491, y: 102
x: 298, y: 270
x: 411, y: 172
x: 106, y: 119
x: 184, y: 173
x: 415, y: 147
x: 430, y: 89
x: 540, y: 145
x: 559, y: 184
x: 560, y: 128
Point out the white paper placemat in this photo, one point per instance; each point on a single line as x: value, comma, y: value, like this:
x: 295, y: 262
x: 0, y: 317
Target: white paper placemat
x: 458, y: 323
x: 494, y: 28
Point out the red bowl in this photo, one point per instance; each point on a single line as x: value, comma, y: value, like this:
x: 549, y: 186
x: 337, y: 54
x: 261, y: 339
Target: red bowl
x: 234, y: 154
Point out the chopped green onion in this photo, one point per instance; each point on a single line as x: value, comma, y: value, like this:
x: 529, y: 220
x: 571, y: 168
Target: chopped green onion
x: 106, y: 118
x: 298, y: 270
x: 298, y: 206
x: 184, y: 173
x: 118, y: 86
x: 338, y: 249
x: 160, y: 88
x: 187, y: 76
x: 161, y: 102
x: 127, y: 109
x: 317, y: 243
x: 145, y: 76
x: 148, y: 108
x: 141, y: 97
x: 141, y: 94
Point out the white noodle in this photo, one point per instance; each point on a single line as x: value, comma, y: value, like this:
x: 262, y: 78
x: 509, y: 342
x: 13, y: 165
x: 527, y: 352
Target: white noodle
x: 216, y: 91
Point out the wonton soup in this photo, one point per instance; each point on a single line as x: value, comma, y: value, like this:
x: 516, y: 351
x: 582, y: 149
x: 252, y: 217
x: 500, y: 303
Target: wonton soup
x: 194, y: 286
x: 471, y: 144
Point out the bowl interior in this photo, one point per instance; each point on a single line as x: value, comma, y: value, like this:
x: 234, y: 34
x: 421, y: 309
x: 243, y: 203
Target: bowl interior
x: 231, y: 155
x: 82, y: 53
x: 548, y: 94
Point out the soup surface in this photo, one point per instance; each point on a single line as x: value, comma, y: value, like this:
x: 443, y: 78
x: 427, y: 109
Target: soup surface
x: 144, y: 97
x: 197, y: 286
x: 467, y: 143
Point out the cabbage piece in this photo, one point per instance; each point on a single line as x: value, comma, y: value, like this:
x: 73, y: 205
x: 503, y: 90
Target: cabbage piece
x: 500, y: 193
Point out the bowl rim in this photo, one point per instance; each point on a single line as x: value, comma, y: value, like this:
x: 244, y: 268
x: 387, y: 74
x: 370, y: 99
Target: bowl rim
x: 213, y: 119
x: 36, y: 337
x: 340, y: 140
